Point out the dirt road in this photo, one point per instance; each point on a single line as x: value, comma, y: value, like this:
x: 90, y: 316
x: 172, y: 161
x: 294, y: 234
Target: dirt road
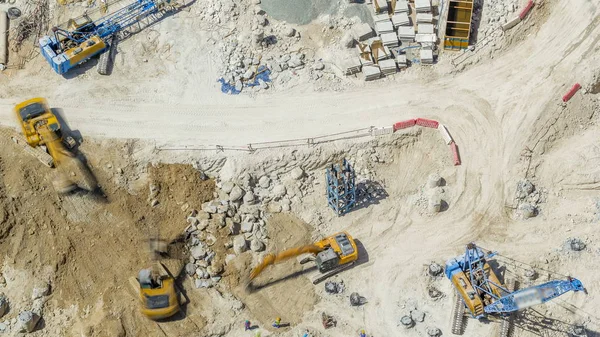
x: 494, y: 95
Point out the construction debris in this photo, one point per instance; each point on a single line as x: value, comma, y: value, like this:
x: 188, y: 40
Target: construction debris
x: 576, y: 245
x: 33, y: 24
x: 435, y: 269
x: 328, y: 321
x: 407, y: 322
x: 333, y: 287
x: 357, y: 300
x: 27, y: 321
x: 433, y: 332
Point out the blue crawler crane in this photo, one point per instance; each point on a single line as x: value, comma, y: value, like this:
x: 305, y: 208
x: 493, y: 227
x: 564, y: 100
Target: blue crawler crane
x: 341, y: 187
x: 83, y: 38
x: 480, y: 292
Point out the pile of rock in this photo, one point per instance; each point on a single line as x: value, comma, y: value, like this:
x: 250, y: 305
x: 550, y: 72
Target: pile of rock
x: 236, y: 219
x: 416, y: 316
x: 528, y: 198
x: 27, y: 320
x: 333, y: 287
x: 202, y: 233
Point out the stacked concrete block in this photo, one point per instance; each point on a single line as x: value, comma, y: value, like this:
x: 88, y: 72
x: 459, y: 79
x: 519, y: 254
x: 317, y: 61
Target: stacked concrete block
x: 382, y: 53
x: 426, y: 38
x: 364, y: 52
x: 390, y: 40
x: 401, y: 7
x: 401, y: 61
x: 406, y: 34
x: 380, y: 6
x: 426, y: 56
x: 363, y: 32
x: 353, y: 66
x: 400, y: 19
x: 424, y: 18
x: 388, y: 67
x: 423, y: 6
x: 371, y: 72
x: 381, y: 18
x: 384, y: 27
x: 425, y: 28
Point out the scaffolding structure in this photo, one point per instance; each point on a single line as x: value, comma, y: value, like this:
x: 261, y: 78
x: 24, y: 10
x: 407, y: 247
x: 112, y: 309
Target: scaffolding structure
x: 341, y: 187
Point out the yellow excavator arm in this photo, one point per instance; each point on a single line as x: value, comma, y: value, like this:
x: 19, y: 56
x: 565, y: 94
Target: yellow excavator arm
x: 331, y: 253
x: 270, y: 259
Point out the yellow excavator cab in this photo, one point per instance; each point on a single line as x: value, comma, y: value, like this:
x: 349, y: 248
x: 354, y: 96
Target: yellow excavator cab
x: 32, y: 114
x: 157, y: 293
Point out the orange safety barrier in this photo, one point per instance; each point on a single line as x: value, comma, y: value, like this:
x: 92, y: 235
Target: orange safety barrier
x: 404, y: 124
x: 455, y: 153
x: 571, y: 92
x: 526, y: 10
x: 429, y: 123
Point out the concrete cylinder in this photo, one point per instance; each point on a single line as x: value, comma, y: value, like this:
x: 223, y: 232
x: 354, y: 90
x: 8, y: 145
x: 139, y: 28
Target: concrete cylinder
x: 3, y: 38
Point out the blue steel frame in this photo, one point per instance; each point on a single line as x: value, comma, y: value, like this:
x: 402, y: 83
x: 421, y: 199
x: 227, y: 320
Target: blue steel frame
x: 111, y: 23
x: 341, y: 187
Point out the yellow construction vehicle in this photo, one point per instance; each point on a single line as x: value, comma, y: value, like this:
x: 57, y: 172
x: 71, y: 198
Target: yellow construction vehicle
x: 155, y: 286
x: 331, y: 255
x: 41, y: 129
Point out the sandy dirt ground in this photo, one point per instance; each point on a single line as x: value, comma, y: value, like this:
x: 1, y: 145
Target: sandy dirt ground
x: 504, y: 112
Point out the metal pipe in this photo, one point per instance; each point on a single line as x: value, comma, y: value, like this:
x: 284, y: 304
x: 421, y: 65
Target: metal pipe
x: 3, y: 38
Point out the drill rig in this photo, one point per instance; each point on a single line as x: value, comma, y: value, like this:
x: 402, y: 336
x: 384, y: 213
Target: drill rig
x: 332, y: 255
x: 83, y: 38
x: 480, y: 292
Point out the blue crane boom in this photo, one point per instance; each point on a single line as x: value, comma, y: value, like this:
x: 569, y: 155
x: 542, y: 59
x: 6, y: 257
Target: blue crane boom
x: 535, y: 295
x: 80, y: 41
x: 482, y: 292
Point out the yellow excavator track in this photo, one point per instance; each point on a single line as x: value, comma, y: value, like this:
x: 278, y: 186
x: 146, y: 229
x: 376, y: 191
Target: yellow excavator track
x: 36, y: 152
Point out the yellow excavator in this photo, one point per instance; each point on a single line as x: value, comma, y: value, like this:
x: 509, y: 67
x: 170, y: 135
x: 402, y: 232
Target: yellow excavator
x: 42, y: 129
x: 158, y: 294
x: 332, y: 255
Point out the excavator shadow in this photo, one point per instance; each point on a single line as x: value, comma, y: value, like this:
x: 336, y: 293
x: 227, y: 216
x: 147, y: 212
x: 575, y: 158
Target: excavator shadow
x: 536, y: 323
x: 96, y: 190
x: 252, y: 287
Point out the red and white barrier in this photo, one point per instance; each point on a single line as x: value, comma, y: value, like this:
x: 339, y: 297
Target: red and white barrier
x: 445, y: 134
x: 455, y: 154
x: 571, y: 92
x: 386, y: 130
x: 428, y: 123
x: 526, y: 10
x: 404, y: 124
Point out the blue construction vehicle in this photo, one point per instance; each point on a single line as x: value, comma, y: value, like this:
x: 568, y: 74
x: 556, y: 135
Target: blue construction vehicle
x: 480, y: 292
x: 83, y: 38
